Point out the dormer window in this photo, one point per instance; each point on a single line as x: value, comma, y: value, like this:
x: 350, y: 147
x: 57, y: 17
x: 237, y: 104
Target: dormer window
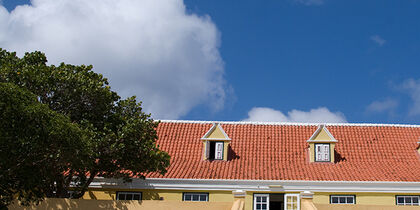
x: 215, y: 149
x: 322, y: 152
x: 321, y: 145
x: 216, y: 143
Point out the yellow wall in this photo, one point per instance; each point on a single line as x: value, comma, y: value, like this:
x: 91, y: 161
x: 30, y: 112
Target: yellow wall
x: 362, y: 198
x: 225, y: 149
x: 323, y: 198
x: 167, y: 195
x: 322, y: 135
x: 62, y: 204
x: 216, y: 134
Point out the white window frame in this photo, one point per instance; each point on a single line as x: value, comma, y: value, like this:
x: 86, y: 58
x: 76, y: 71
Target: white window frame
x: 215, y: 150
x: 195, y: 193
x: 129, y: 193
x: 292, y: 195
x: 340, y: 196
x: 316, y: 152
x: 407, y: 204
x: 267, y: 202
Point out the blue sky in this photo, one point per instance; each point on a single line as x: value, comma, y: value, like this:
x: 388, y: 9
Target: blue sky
x: 358, y: 58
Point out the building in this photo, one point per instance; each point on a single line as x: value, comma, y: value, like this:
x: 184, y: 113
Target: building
x: 280, y: 166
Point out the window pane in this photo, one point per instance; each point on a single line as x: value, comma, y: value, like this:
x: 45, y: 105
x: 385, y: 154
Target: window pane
x: 136, y: 197
x: 258, y: 206
x: 203, y: 197
x: 350, y: 199
x: 129, y: 196
x: 407, y: 200
x: 416, y: 200
x: 258, y: 199
x: 195, y: 197
x: 400, y: 200
x: 334, y: 199
x: 342, y: 199
x: 264, y: 206
x: 187, y: 197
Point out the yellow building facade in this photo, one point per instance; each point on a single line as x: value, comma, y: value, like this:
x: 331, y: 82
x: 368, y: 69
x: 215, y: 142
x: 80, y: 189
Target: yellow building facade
x: 281, y: 166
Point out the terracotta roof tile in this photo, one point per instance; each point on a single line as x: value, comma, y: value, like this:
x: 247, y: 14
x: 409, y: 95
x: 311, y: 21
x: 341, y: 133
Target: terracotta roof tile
x: 280, y: 152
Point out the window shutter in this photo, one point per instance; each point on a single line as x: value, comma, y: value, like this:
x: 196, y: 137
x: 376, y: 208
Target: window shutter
x: 292, y: 202
x: 326, y: 152
x: 207, y: 149
x: 219, y: 150
x: 322, y: 152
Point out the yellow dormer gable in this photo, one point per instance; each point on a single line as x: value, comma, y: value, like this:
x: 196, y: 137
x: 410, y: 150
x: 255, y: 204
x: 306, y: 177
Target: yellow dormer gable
x: 217, y: 133
x: 322, y: 135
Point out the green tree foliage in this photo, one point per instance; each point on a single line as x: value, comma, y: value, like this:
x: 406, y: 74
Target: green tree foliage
x: 91, y: 131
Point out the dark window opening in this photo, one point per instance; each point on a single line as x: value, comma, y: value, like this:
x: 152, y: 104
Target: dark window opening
x: 215, y: 151
x: 129, y: 196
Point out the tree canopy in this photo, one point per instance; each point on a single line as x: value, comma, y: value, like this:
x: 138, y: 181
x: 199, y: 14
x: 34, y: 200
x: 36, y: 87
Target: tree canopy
x: 63, y: 125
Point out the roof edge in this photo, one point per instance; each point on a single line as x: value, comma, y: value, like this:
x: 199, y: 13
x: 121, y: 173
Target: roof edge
x: 291, y: 123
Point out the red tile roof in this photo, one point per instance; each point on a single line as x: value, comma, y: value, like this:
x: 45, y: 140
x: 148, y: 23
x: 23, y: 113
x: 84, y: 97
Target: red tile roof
x: 280, y: 152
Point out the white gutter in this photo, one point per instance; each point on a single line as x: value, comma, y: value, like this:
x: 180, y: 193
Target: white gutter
x: 260, y: 185
x: 290, y: 123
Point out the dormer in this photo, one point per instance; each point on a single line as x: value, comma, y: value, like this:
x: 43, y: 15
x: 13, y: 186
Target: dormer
x: 321, y: 145
x: 215, y: 143
x: 418, y: 147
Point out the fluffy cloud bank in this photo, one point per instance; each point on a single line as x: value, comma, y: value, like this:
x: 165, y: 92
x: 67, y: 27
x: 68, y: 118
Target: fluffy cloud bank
x: 150, y: 48
x: 382, y: 106
x: 319, y: 115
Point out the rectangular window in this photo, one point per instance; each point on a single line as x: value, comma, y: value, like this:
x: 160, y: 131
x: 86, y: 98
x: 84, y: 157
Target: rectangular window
x: 408, y: 200
x: 292, y: 202
x: 195, y: 197
x: 261, y: 201
x: 214, y: 150
x: 128, y: 196
x: 322, y: 152
x: 342, y: 199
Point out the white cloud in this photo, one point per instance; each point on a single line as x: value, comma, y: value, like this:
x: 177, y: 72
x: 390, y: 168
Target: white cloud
x: 378, y: 40
x: 413, y: 88
x: 319, y: 115
x: 150, y: 48
x: 382, y: 106
x: 310, y: 2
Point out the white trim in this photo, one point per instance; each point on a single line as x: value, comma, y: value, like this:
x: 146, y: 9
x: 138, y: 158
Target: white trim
x: 345, y: 196
x: 267, y: 202
x: 214, y: 127
x: 307, y: 194
x: 292, y: 195
x: 291, y: 123
x: 259, y: 185
x: 318, y: 130
x: 321, y: 141
x: 239, y: 193
x: 195, y: 193
x: 407, y: 204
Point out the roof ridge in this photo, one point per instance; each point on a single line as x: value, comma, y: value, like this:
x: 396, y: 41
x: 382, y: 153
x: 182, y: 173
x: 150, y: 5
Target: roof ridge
x: 291, y: 123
